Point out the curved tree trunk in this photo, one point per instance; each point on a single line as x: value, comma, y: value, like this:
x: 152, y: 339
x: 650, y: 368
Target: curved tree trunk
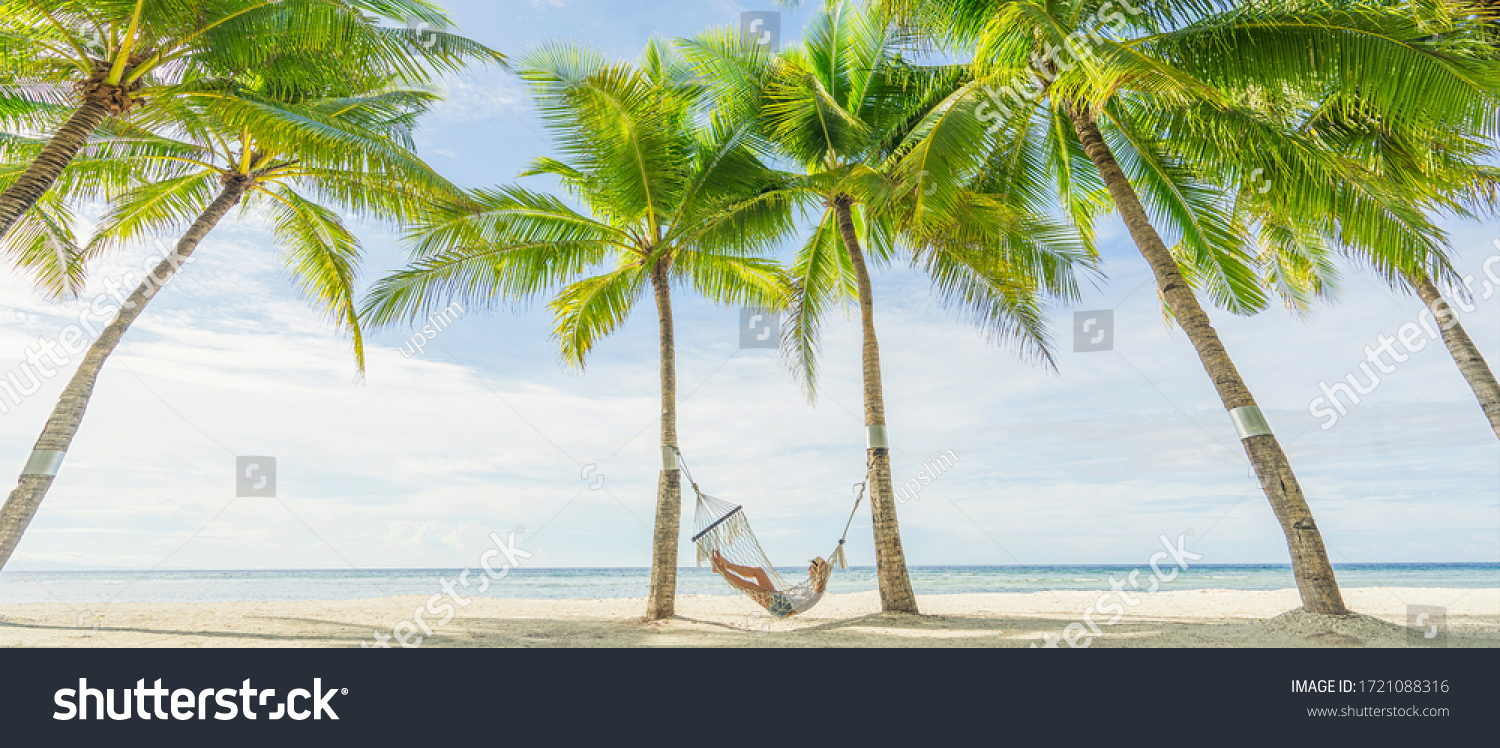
x: 37, y: 476
x: 39, y: 176
x: 1310, y: 565
x: 896, y: 595
x: 661, y: 601
x: 1465, y: 353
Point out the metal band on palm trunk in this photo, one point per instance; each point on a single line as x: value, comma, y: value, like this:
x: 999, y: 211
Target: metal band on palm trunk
x: 1249, y: 421
x: 875, y: 437
x: 43, y: 462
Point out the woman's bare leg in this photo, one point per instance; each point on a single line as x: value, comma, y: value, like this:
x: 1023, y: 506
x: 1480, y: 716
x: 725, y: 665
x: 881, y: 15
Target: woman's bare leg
x: 762, y: 580
x: 744, y: 571
x: 744, y: 577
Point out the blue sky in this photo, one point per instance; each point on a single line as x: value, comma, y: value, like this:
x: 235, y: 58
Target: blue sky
x: 486, y: 431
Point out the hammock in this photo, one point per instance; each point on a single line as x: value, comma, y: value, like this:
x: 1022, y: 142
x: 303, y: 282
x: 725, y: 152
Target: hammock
x: 723, y: 528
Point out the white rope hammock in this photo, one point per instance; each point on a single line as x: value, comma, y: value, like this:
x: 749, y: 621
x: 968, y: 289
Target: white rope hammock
x: 723, y: 529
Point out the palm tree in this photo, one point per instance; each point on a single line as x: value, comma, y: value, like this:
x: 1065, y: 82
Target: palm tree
x: 666, y: 201
x: 1470, y: 362
x: 873, y: 133
x: 1464, y: 188
x: 1406, y: 170
x: 1115, y: 73
x: 42, y: 241
x: 297, y: 159
x: 106, y: 59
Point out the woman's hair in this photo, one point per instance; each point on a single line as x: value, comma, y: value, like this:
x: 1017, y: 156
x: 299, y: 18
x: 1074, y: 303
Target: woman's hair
x: 820, y: 572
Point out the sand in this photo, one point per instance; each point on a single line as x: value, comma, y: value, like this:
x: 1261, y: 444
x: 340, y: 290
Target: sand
x: 1196, y: 618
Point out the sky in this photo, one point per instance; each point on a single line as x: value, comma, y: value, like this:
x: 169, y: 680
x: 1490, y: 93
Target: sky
x: 485, y: 431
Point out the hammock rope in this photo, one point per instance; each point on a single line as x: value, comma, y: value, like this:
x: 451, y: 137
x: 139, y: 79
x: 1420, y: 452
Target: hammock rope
x: 721, y: 527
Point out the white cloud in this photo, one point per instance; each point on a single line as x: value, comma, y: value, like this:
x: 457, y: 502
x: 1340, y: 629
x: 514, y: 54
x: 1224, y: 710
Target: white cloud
x: 479, y: 95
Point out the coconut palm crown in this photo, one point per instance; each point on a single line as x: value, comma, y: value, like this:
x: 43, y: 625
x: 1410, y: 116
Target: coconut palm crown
x: 663, y: 199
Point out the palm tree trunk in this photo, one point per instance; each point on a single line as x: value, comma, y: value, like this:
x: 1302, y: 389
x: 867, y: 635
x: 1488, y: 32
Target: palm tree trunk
x: 661, y: 601
x: 1465, y: 353
x: 39, y: 176
x: 1310, y: 565
x: 896, y: 595
x: 37, y: 476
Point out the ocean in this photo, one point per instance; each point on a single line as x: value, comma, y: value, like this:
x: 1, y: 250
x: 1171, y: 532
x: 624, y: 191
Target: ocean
x: 91, y: 587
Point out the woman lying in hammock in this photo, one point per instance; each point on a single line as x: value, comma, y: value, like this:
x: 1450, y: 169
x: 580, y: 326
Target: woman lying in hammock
x: 754, y: 581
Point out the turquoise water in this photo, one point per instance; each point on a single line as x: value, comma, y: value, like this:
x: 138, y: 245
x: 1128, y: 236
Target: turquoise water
x: 323, y: 584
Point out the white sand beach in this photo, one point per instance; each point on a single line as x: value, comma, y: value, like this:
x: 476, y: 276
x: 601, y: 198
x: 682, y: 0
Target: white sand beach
x: 1196, y: 618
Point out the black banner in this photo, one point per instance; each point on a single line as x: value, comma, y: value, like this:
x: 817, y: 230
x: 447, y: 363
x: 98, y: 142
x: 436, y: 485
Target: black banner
x: 438, y: 696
